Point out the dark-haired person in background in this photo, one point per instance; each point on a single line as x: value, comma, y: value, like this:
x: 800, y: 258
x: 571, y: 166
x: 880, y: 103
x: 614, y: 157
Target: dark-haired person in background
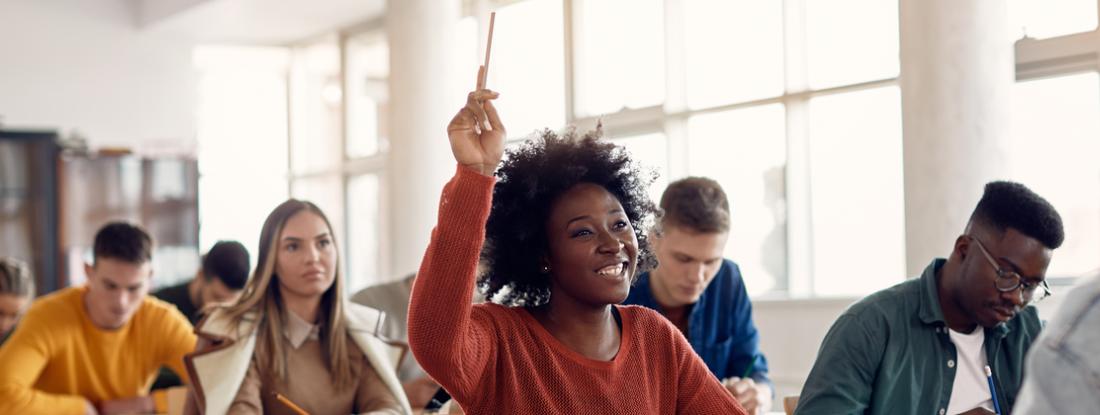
x: 921, y: 346
x: 220, y: 280
x: 223, y: 274
x: 92, y: 349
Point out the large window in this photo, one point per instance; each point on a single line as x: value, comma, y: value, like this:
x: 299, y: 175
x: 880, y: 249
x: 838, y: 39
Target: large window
x: 242, y: 141
x: 618, y: 52
x: 1054, y: 145
x: 766, y: 98
x: 746, y: 150
x: 338, y: 141
x: 527, y: 65
x: 857, y: 196
x: 732, y: 51
x: 769, y: 98
x: 1055, y: 150
x: 730, y: 90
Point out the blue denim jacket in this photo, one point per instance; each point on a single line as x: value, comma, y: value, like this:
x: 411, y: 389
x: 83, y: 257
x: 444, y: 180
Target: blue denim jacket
x: 720, y: 326
x: 1063, y: 368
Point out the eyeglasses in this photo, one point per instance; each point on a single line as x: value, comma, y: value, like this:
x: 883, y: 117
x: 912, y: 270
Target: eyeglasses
x: 1008, y: 281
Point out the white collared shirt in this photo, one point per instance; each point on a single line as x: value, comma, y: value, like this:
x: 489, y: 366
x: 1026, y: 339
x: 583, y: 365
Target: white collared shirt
x: 297, y: 330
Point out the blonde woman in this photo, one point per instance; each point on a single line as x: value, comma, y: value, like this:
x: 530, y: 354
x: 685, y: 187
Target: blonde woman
x: 291, y: 343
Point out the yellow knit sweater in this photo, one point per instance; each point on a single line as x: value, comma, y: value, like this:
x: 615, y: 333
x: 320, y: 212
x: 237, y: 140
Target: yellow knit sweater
x: 57, y: 359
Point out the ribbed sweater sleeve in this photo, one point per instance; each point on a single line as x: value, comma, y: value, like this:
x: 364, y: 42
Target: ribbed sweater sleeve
x: 453, y: 343
x: 22, y: 360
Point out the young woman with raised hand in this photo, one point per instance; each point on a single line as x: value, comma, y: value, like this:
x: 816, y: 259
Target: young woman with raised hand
x: 562, y: 223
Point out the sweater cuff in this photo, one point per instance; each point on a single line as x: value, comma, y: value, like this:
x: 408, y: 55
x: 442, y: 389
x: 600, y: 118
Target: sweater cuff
x: 466, y: 174
x: 473, y: 191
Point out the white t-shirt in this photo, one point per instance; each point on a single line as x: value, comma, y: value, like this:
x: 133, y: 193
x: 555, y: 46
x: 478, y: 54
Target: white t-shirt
x: 971, y: 389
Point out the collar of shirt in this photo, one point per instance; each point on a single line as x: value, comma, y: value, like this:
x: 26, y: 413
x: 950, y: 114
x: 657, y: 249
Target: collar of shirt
x: 297, y: 330
x: 930, y: 311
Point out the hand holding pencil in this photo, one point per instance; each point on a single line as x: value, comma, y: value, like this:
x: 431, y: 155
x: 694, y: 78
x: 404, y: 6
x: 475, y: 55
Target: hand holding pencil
x: 476, y: 133
x: 755, y: 398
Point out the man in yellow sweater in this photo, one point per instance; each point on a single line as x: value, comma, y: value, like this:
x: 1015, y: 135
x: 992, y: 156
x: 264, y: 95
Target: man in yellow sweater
x: 94, y: 349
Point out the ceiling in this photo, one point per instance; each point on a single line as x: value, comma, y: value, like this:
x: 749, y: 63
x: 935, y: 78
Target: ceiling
x: 262, y: 22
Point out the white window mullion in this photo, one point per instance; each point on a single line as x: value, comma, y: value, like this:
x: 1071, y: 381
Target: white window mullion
x: 800, y: 263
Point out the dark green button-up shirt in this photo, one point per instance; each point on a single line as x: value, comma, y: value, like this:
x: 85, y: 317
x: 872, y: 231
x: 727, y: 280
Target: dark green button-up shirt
x: 890, y: 353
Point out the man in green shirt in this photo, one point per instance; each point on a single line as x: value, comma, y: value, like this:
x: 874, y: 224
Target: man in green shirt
x: 922, y: 346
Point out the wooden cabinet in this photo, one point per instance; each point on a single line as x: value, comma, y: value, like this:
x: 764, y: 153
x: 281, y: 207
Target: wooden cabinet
x: 160, y: 193
x: 28, y: 202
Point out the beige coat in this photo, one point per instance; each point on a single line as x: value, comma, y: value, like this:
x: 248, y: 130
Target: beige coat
x: 217, y: 372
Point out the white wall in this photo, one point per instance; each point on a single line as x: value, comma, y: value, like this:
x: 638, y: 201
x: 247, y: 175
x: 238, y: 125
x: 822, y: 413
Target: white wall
x: 83, y: 64
x: 790, y: 334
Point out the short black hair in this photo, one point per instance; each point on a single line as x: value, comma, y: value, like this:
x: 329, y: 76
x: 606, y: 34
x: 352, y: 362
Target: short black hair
x: 1012, y: 205
x: 123, y: 241
x: 227, y: 261
x: 530, y: 179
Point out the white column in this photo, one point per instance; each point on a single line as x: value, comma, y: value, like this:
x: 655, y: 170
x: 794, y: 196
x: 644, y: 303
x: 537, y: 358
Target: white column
x: 957, y: 71
x: 421, y: 34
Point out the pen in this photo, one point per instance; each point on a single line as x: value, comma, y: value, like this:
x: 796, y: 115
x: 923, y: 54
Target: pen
x: 992, y: 390
x: 752, y: 364
x: 297, y: 409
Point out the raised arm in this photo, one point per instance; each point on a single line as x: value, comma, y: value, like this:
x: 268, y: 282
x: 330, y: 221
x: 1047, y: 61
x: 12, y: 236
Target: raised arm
x: 451, y: 342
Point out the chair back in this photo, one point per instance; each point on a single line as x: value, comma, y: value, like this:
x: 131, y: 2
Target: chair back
x: 789, y: 404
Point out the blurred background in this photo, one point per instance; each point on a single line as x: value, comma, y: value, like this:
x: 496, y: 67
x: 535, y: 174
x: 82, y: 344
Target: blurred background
x: 852, y: 136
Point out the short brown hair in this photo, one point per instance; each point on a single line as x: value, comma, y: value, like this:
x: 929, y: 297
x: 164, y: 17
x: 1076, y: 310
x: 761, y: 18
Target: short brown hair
x: 123, y: 241
x: 696, y: 203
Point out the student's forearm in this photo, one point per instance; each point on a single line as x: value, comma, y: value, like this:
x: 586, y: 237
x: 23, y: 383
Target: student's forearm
x: 135, y: 405
x: 16, y: 399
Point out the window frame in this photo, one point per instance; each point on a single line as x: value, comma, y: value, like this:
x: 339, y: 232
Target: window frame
x: 346, y: 167
x: 1053, y: 57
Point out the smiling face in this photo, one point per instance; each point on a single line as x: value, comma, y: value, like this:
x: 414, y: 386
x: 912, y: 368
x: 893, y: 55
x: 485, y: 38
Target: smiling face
x: 593, y: 251
x: 305, y: 262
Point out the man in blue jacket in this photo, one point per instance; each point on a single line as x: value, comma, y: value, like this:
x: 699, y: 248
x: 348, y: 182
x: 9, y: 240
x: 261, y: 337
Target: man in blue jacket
x: 702, y: 293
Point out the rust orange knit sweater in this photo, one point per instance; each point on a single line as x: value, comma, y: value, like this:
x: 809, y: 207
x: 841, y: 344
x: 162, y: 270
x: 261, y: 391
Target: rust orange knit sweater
x: 494, y: 359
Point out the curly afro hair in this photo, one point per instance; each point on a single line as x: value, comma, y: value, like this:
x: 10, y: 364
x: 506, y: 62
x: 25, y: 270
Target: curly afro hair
x: 530, y: 179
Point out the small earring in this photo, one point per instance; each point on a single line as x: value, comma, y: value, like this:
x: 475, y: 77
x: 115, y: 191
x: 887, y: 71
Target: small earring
x: 545, y: 269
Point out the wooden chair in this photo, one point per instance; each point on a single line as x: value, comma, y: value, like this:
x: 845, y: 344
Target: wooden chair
x: 789, y: 404
x: 177, y: 396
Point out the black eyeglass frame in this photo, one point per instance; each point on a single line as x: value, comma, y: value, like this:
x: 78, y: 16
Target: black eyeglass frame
x: 1027, y: 290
